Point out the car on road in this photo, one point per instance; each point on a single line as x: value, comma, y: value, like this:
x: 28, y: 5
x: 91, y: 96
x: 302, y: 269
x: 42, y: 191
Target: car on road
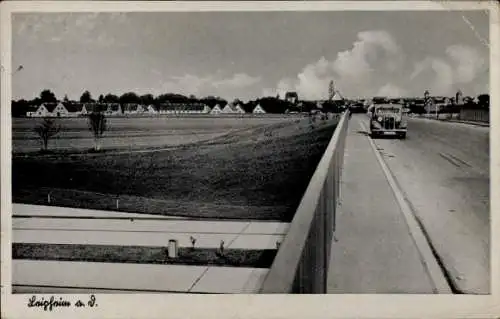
x: 356, y: 108
x: 388, y: 119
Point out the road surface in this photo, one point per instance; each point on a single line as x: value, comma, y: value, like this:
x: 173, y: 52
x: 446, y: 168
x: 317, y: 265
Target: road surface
x: 443, y: 169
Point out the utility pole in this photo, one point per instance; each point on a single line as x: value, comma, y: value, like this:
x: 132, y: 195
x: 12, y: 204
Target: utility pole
x: 426, y: 102
x: 436, y: 110
x: 331, y: 90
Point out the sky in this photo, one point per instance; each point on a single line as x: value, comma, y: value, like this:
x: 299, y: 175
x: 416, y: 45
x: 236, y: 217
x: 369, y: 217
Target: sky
x: 247, y: 55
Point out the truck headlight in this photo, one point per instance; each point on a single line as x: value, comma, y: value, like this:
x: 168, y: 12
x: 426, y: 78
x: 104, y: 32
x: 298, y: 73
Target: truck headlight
x: 379, y: 119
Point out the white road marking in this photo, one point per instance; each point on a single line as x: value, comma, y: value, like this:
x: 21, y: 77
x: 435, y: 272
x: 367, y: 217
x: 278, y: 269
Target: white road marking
x: 434, y: 270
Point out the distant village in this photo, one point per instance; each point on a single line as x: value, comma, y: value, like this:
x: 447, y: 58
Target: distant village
x: 131, y: 104
x: 430, y: 104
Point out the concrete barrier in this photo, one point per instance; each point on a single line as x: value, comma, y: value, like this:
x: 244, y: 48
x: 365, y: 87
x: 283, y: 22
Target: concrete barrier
x: 301, y: 264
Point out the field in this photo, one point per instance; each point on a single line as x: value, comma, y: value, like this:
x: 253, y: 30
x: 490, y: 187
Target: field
x: 224, y: 168
x: 136, y: 132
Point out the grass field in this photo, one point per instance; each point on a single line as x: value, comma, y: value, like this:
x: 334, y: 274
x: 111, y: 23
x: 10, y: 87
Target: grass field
x: 133, y: 133
x: 251, y: 168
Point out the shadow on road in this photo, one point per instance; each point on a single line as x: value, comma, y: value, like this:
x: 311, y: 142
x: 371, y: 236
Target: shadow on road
x: 362, y: 133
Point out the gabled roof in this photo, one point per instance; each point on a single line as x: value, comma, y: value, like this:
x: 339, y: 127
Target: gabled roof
x: 131, y: 107
x: 50, y: 106
x: 238, y: 107
x: 113, y: 107
x: 73, y: 107
x: 216, y: 107
x: 95, y: 107
x: 181, y: 107
x: 232, y: 107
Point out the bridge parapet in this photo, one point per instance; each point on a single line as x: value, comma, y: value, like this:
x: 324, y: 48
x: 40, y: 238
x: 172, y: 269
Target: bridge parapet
x: 301, y: 264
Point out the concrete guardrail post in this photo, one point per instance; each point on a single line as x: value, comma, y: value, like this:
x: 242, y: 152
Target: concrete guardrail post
x: 172, y: 248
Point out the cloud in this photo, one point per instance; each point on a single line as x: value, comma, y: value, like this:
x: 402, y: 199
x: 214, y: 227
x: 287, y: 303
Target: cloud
x: 391, y: 90
x: 459, y: 66
x: 187, y: 84
x: 81, y: 28
x: 238, y: 80
x: 433, y: 74
x: 468, y: 61
x: 310, y: 83
x: 376, y: 65
x: 269, y: 92
x: 193, y: 84
x: 352, y: 70
x: 362, y: 58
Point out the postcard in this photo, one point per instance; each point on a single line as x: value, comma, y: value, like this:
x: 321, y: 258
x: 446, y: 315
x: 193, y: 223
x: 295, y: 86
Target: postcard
x: 249, y: 159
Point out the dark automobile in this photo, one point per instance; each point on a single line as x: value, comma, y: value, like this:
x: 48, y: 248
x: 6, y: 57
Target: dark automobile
x: 388, y: 119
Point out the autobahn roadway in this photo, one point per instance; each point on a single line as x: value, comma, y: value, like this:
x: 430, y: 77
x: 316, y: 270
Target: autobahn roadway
x: 442, y: 168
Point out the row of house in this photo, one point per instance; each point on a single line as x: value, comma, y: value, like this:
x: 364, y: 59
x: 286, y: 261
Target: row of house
x: 62, y: 109
x: 72, y: 109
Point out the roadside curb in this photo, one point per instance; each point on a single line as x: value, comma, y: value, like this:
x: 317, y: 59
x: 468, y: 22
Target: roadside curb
x: 455, y: 121
x: 467, y: 122
x: 423, y: 244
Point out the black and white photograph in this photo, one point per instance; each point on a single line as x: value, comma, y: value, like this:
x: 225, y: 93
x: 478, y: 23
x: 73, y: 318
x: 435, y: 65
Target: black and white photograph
x: 256, y: 151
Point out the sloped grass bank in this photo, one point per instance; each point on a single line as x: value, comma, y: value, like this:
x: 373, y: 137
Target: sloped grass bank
x: 257, y: 176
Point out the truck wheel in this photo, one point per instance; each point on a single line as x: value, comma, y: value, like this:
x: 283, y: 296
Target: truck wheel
x: 402, y: 136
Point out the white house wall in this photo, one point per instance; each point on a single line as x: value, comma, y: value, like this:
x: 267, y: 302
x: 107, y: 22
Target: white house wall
x: 227, y: 109
x: 258, y: 109
x: 216, y: 110
x: 240, y: 110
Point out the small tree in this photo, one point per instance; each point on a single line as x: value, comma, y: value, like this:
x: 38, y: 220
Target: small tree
x: 193, y: 241
x: 47, y: 96
x: 86, y: 97
x: 97, y: 125
x: 484, y: 101
x: 47, y: 129
x: 312, y: 120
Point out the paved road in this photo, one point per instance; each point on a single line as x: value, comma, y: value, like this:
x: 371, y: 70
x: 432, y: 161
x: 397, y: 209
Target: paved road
x: 443, y: 169
x: 375, y: 249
